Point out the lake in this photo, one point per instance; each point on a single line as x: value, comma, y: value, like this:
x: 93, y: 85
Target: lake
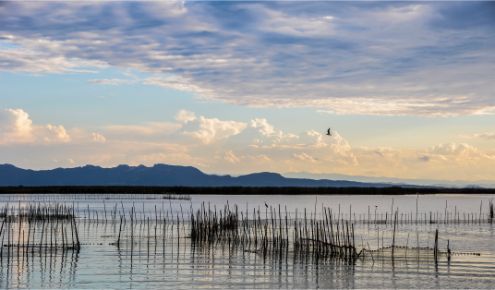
x: 156, y: 249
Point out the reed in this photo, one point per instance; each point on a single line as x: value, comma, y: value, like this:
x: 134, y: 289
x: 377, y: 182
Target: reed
x: 272, y: 235
x: 40, y: 228
x: 271, y: 232
x: 491, y: 211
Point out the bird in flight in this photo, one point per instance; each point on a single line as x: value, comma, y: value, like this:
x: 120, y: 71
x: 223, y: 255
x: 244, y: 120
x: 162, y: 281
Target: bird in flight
x: 328, y: 132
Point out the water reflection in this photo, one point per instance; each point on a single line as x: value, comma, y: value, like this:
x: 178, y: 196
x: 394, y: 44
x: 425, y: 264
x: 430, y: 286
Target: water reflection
x: 158, y: 253
x: 44, y: 269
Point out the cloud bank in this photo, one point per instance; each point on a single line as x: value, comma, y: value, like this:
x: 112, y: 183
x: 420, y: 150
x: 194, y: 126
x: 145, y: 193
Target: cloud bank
x: 232, y: 146
x: 382, y: 58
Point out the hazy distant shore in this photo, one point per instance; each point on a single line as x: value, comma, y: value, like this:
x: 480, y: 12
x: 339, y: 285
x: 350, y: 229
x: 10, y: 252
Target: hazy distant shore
x: 241, y: 190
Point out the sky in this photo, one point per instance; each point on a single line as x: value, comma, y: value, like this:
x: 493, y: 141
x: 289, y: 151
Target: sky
x: 407, y: 88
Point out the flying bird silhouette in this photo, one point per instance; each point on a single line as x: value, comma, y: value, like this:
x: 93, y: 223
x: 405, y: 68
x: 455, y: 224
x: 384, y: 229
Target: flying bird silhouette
x: 328, y: 132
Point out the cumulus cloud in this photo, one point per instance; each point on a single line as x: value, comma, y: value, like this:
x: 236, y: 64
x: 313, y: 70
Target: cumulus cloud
x: 379, y: 59
x: 264, y: 127
x: 336, y: 142
x: 452, y: 149
x: 335, y: 149
x: 317, y: 138
x: 310, y: 147
x: 56, y: 133
x: 312, y: 151
x: 212, y: 129
x: 461, y: 153
x: 271, y: 136
x: 15, y: 126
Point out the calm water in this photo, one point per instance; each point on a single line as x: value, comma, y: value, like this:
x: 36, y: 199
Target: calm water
x: 168, y: 260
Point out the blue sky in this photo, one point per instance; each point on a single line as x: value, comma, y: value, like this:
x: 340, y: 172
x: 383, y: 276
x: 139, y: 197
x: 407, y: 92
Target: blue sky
x: 236, y: 87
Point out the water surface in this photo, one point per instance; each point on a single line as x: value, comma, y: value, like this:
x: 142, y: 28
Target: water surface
x: 168, y: 259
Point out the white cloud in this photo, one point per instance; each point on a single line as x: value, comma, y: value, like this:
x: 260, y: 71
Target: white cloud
x: 56, y: 133
x: 264, y: 127
x: 317, y: 137
x: 15, y: 127
x: 270, y: 136
x: 311, y: 147
x: 332, y: 149
x: 212, y: 129
x: 452, y: 149
x: 185, y: 116
x: 311, y: 151
x: 461, y: 153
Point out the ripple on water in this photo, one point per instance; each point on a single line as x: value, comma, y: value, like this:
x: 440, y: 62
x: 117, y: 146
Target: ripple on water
x: 147, y: 264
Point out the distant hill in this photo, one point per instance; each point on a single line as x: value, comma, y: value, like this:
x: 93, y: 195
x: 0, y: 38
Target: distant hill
x: 157, y: 175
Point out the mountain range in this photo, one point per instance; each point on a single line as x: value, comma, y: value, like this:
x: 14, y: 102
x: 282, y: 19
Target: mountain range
x: 158, y: 175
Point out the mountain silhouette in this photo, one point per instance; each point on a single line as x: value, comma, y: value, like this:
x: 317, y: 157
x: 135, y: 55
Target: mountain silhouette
x: 157, y: 175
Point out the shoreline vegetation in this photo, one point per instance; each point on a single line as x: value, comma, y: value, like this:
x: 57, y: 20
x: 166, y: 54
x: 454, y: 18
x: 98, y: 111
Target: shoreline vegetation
x: 181, y: 190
